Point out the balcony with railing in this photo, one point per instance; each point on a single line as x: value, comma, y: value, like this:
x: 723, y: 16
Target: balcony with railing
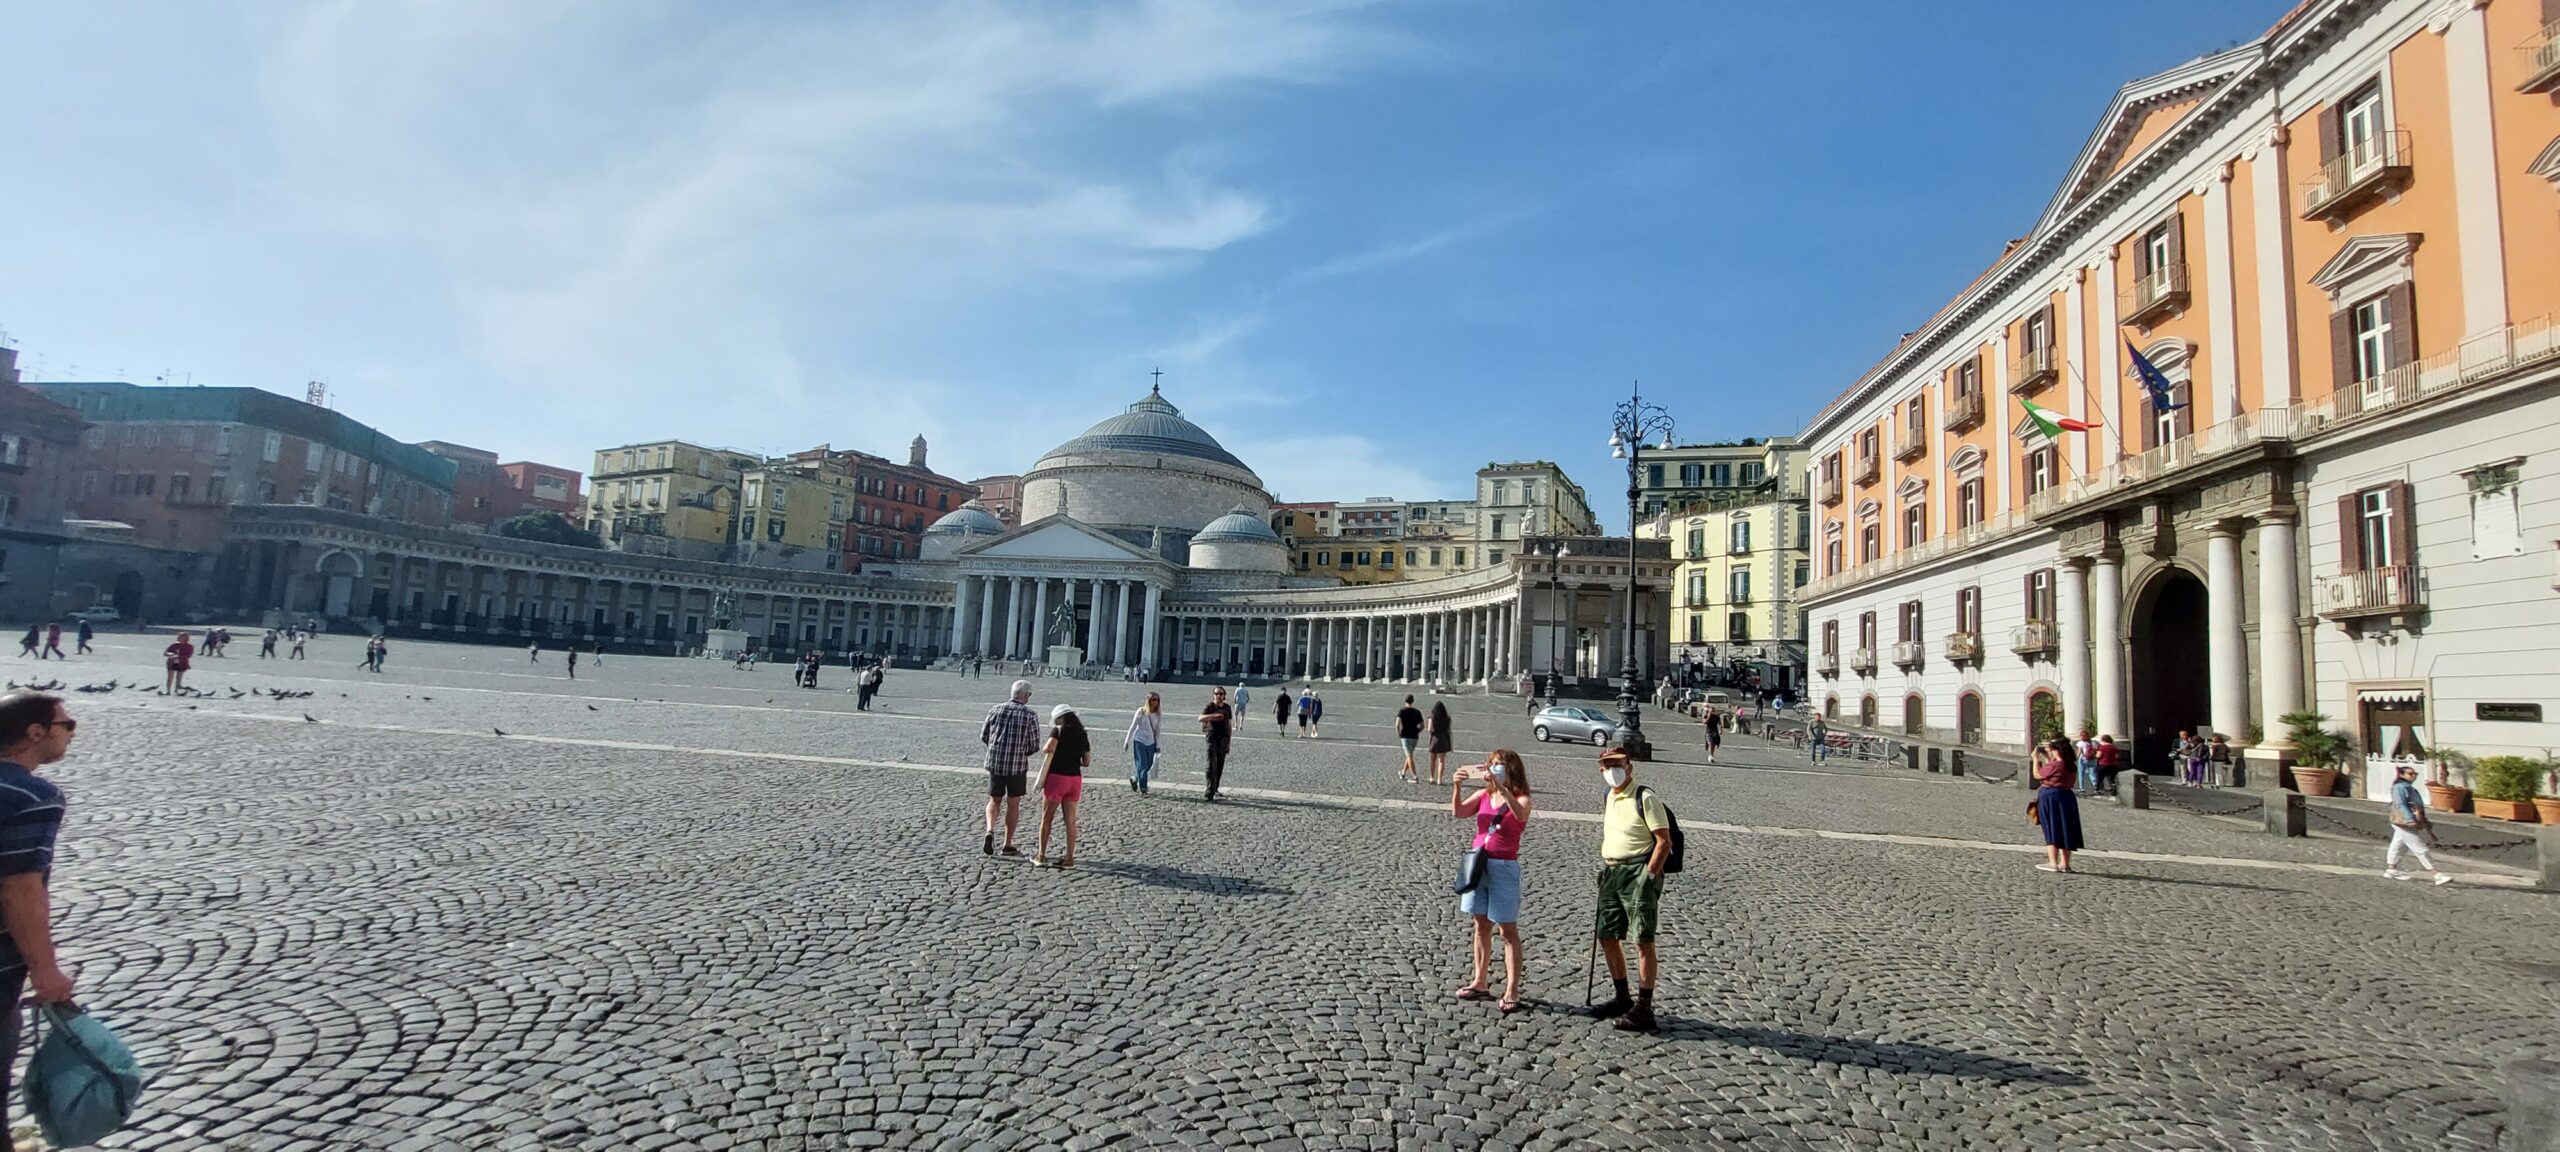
x: 1869, y: 468
x: 2155, y: 294
x: 1964, y: 410
x: 1907, y: 654
x: 2391, y: 590
x: 2541, y: 55
x: 1737, y: 596
x: 1827, y: 664
x: 2365, y: 171
x: 2033, y: 371
x: 1964, y: 647
x: 1909, y: 442
x: 1862, y: 661
x: 2036, y: 638
x: 1827, y: 489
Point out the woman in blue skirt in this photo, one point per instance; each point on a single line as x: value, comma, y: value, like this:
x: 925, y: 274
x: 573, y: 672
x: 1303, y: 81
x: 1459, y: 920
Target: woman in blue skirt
x: 2057, y: 811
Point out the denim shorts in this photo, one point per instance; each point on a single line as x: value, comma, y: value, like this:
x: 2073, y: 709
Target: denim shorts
x: 1498, y: 897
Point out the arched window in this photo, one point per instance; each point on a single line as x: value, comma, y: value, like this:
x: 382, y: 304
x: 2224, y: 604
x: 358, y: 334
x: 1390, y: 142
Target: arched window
x: 1867, y: 711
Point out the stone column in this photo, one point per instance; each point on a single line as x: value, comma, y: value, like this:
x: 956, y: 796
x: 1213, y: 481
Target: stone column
x: 1147, y: 630
x: 2222, y: 313
x: 1093, y: 624
x: 1016, y: 590
x: 986, y: 592
x: 1466, y: 646
x: 2225, y: 638
x: 2071, y: 605
x: 2106, y: 648
x: 960, y: 590
x: 1040, y: 619
x: 1412, y: 649
x: 2279, y: 627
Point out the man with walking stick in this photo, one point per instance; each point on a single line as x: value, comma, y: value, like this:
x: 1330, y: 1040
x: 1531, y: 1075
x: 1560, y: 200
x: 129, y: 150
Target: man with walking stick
x: 1635, y: 849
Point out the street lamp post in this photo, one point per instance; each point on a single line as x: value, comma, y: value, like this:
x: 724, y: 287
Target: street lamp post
x: 1556, y: 551
x: 1630, y: 426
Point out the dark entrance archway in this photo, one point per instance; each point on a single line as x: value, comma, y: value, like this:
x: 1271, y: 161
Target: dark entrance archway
x: 128, y: 595
x: 2169, y: 666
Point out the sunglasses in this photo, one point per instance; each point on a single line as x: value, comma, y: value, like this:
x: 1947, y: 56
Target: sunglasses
x: 65, y: 725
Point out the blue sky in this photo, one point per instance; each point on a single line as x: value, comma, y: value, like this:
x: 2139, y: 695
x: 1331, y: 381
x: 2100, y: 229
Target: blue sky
x: 1372, y: 246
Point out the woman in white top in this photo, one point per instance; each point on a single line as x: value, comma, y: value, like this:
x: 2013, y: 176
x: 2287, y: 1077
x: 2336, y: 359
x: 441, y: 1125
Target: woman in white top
x: 1145, y: 733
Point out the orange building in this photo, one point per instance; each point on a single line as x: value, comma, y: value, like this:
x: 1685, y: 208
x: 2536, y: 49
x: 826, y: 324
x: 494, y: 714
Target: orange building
x: 2337, y: 244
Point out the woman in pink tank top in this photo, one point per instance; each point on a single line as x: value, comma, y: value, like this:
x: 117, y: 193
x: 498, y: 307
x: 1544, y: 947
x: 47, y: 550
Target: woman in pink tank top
x: 1501, y: 811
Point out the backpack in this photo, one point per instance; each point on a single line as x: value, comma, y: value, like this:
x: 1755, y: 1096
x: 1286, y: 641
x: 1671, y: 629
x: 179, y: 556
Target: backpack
x: 1679, y: 839
x: 82, y: 1082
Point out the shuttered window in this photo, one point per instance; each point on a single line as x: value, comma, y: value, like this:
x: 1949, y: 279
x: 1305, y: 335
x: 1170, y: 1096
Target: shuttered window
x: 2377, y: 527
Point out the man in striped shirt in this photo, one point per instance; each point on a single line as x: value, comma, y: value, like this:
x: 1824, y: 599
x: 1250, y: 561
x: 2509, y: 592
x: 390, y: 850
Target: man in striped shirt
x: 34, y: 731
x: 1011, y: 734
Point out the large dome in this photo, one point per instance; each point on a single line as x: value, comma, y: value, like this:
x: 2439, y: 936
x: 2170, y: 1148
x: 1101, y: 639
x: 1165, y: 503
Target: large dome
x: 1153, y: 426
x: 1144, y: 470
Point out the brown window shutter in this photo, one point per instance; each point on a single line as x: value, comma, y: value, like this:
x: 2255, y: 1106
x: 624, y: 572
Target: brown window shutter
x: 2150, y: 427
x: 2333, y: 133
x: 2342, y: 346
x: 2141, y: 256
x: 2351, y: 532
x: 2185, y: 393
x: 2404, y: 523
x: 2030, y: 582
x: 2177, y: 240
x: 2400, y: 309
x: 2052, y: 336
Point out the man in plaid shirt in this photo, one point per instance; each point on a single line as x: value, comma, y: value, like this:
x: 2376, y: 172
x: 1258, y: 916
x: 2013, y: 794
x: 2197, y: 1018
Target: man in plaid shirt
x: 1011, y: 734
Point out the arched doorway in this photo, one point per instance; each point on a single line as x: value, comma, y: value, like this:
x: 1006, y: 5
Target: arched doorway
x: 1915, y: 715
x: 1867, y: 711
x: 1969, y: 718
x: 338, y: 574
x: 1831, y: 709
x: 2171, y: 688
x: 2044, y: 716
x: 128, y: 594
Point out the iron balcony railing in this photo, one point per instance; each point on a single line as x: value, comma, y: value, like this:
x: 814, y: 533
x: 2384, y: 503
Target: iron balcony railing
x: 1827, y: 489
x: 2035, y: 638
x: 2155, y: 293
x: 2541, y: 55
x: 1869, y: 467
x: 2366, y: 168
x: 1909, y: 443
x: 1964, y: 410
x: 2033, y: 370
x: 1908, y: 653
x: 1862, y: 660
x: 1964, y: 646
x: 1827, y: 664
x: 2391, y: 590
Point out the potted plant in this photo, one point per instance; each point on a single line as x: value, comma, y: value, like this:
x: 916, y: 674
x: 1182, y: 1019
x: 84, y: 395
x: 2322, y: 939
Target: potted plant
x: 2548, y: 803
x: 2505, y: 788
x: 2317, y: 750
x: 2449, y: 783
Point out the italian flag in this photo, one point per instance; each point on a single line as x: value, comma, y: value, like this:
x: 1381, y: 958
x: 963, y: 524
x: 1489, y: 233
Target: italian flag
x: 2053, y: 424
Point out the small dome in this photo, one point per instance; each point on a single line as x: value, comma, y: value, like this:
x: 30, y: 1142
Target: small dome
x: 1238, y: 527
x: 969, y: 519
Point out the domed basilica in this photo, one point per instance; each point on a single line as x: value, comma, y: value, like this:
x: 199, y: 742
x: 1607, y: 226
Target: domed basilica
x: 1145, y: 544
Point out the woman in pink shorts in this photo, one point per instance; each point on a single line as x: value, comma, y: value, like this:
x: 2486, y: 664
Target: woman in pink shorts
x: 1062, y: 780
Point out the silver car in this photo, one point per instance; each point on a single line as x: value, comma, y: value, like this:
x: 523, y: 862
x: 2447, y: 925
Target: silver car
x: 1565, y: 722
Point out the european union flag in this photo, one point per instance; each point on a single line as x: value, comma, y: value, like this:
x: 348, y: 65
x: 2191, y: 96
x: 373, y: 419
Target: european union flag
x: 2153, y: 380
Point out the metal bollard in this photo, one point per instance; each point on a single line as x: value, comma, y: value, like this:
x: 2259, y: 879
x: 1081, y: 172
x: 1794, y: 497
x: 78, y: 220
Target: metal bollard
x: 1955, y: 762
x: 2548, y: 847
x: 2288, y: 813
x: 1937, y: 759
x: 2133, y: 789
x: 2533, y: 1099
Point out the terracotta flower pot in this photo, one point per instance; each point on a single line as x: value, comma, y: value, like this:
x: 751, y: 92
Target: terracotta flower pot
x: 2448, y: 798
x: 2549, y: 807
x: 2520, y: 811
x: 2315, y: 781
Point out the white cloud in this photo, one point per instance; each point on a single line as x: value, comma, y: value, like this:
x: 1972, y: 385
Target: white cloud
x: 1337, y: 466
x: 762, y: 222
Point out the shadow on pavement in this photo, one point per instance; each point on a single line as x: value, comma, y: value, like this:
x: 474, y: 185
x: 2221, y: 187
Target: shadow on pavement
x: 1182, y: 880
x: 2078, y: 871
x: 1919, y: 1059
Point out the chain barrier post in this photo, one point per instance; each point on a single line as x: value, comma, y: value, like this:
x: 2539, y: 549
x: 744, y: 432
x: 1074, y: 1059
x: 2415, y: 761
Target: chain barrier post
x: 1955, y: 762
x: 1937, y: 759
x: 2133, y: 789
x: 1911, y: 757
x: 2287, y: 814
x: 2549, y: 850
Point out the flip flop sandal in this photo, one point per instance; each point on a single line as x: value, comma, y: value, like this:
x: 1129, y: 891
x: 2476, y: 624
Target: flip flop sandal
x: 1473, y: 993
x: 1509, y: 1005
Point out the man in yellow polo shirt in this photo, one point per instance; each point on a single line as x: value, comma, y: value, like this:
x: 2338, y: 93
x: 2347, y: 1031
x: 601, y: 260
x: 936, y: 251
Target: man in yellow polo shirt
x: 1635, y: 845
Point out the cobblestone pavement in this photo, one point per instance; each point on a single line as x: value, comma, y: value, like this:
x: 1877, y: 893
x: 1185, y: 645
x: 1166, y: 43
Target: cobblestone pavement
x: 684, y: 907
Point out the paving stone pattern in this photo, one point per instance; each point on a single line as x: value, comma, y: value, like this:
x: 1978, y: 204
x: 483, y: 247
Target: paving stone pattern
x: 392, y: 928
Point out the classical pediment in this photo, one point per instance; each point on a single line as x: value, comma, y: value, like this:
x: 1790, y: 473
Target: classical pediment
x: 2141, y: 113
x: 2367, y: 263
x: 1056, y: 538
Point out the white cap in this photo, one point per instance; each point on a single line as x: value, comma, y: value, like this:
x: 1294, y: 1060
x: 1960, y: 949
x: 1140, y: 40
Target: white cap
x: 1061, y: 710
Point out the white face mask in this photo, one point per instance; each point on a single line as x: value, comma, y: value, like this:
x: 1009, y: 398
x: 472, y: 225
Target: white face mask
x: 1617, y: 777
x: 1501, y: 772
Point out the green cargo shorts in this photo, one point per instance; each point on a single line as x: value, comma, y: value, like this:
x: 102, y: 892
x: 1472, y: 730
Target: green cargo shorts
x: 1629, y: 899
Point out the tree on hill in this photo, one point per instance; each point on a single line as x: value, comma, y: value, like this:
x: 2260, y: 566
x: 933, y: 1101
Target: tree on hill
x: 547, y: 528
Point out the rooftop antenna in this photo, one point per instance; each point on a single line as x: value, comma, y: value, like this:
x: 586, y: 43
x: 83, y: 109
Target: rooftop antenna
x: 316, y: 393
